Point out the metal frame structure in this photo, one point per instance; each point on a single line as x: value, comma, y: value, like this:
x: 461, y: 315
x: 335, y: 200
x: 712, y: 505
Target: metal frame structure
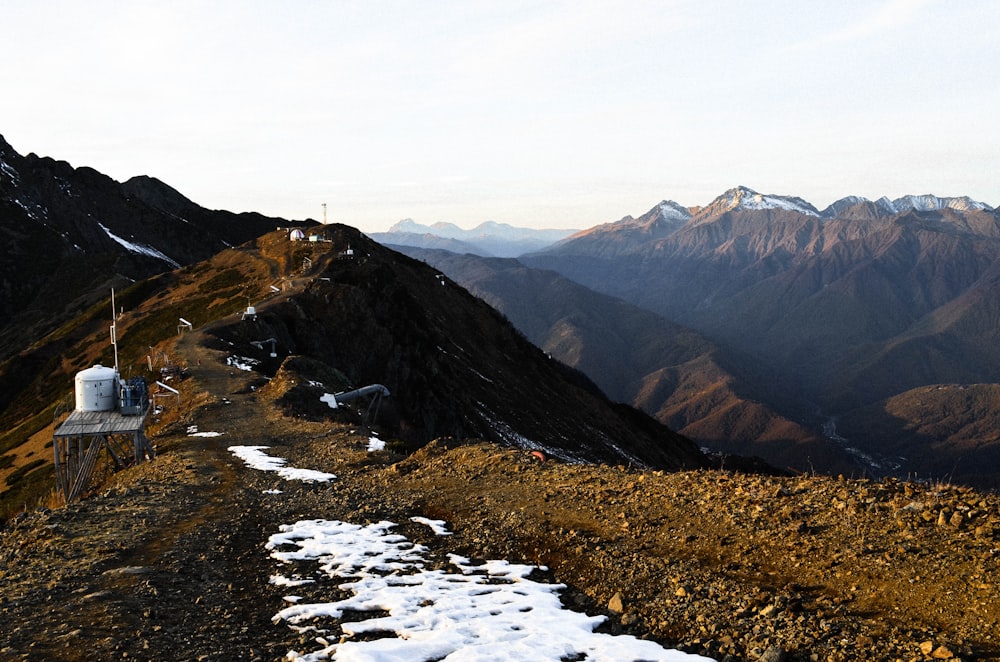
x: 78, y: 443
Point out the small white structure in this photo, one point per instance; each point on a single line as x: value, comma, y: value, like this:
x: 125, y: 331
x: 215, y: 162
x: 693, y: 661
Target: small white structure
x: 250, y: 313
x: 97, y: 389
x: 296, y: 235
x: 183, y: 325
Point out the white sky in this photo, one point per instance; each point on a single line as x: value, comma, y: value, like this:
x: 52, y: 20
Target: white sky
x: 542, y: 114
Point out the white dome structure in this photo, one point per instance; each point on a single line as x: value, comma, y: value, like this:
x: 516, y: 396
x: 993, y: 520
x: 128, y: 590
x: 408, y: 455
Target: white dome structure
x: 96, y: 389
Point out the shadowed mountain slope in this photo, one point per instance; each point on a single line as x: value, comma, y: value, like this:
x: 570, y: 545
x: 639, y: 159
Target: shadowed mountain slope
x: 69, y: 233
x: 941, y: 432
x: 682, y: 379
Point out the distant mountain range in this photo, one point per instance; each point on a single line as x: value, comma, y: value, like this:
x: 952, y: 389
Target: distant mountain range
x: 824, y: 319
x: 489, y: 239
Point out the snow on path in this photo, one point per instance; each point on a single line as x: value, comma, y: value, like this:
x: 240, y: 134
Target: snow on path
x: 192, y: 431
x: 468, y: 612
x: 492, y: 612
x: 255, y: 457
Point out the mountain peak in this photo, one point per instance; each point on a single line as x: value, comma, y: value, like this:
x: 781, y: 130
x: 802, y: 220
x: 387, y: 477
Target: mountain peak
x: 409, y: 225
x: 158, y: 195
x: 672, y: 211
x: 930, y: 202
x: 743, y: 197
x: 856, y: 206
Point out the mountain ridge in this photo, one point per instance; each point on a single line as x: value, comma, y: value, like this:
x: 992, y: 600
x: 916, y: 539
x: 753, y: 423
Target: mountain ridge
x: 849, y: 310
x: 69, y: 233
x: 489, y: 239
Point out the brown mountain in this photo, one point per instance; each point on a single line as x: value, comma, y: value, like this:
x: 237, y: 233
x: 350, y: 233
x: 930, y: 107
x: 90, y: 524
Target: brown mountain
x: 675, y: 374
x: 941, y: 432
x: 847, y: 307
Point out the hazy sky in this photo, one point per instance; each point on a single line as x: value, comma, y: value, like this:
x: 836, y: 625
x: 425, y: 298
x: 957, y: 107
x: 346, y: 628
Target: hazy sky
x: 545, y: 114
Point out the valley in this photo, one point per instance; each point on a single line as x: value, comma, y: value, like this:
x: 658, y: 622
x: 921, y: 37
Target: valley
x: 795, y: 310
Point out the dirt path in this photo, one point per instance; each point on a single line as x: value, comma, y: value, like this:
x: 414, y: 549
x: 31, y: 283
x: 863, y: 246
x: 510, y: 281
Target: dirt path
x: 168, y: 566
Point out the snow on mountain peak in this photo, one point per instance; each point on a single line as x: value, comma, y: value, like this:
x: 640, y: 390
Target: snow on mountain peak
x: 742, y: 197
x: 671, y: 211
x: 929, y: 202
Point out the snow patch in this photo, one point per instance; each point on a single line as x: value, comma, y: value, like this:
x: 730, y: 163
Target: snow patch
x: 438, y: 526
x: 281, y: 580
x: 242, y: 362
x: 141, y: 249
x: 192, y: 431
x: 255, y: 457
x: 8, y: 169
x: 493, y: 611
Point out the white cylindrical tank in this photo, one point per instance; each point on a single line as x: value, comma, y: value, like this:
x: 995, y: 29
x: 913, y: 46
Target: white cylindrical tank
x: 96, y: 389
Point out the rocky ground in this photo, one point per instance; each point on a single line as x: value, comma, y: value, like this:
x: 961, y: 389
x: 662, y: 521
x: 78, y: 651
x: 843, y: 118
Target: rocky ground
x: 167, y: 560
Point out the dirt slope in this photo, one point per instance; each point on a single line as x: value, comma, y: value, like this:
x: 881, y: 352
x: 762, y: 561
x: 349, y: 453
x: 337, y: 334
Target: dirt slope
x: 167, y: 560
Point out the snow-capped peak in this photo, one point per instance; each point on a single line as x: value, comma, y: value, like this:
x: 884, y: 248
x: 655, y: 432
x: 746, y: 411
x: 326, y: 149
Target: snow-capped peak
x: 881, y: 207
x: 885, y: 204
x: 671, y: 211
x: 742, y: 197
x: 931, y: 202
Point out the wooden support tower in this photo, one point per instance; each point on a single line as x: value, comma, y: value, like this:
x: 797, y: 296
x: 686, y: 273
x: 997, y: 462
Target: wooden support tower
x: 80, y: 440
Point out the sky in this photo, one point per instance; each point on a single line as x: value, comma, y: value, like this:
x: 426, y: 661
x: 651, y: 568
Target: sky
x: 538, y: 114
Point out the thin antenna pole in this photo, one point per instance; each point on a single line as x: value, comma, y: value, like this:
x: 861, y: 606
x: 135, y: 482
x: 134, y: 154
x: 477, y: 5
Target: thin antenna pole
x: 324, y: 213
x: 114, y: 329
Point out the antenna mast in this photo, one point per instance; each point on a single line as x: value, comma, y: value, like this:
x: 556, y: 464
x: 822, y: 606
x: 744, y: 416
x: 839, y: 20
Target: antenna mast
x: 114, y: 329
x: 324, y: 213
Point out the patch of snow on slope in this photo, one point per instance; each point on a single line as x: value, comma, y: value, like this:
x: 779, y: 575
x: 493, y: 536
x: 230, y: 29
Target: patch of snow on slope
x: 140, y: 248
x: 492, y: 611
x: 512, y: 437
x: 255, y: 457
x: 8, y: 170
x: 672, y: 211
x: 242, y: 362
